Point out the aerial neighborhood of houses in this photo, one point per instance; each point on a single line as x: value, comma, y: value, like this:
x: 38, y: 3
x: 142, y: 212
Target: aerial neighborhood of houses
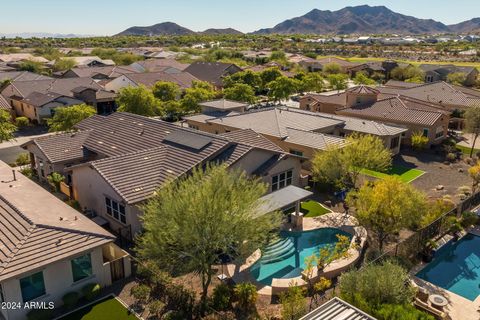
x: 290, y: 173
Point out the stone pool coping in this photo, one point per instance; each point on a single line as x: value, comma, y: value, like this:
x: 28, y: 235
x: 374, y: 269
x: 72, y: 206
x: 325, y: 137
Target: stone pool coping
x: 240, y: 272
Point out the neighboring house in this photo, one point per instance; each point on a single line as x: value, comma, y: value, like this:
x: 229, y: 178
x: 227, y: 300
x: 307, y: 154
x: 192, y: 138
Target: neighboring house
x: 88, y: 61
x: 344, y: 64
x: 21, y: 76
x: 440, y: 72
x: 445, y: 96
x: 182, y: 79
x: 337, y: 309
x: 38, y: 106
x: 309, y: 64
x: 212, y: 72
x: 223, y: 105
x: 98, y: 73
x: 48, y: 248
x: 155, y: 65
x: 4, y: 105
x: 298, y: 132
x: 114, y: 163
x: 19, y: 57
x: 364, y: 102
x: 272, y: 64
x: 84, y: 89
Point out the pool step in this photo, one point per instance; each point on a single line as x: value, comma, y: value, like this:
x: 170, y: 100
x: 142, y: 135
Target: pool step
x: 285, y: 246
x: 284, y: 255
x: 277, y: 244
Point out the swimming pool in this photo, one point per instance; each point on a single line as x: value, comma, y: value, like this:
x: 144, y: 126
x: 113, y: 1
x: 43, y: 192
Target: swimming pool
x: 456, y: 267
x: 286, y: 257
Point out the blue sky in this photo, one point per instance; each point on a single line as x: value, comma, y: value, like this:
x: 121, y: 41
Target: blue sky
x: 106, y: 17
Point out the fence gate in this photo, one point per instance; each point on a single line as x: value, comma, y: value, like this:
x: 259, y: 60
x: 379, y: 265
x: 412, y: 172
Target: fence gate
x: 116, y: 270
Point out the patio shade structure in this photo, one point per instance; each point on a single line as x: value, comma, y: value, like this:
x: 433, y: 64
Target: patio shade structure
x: 337, y: 309
x: 282, y: 199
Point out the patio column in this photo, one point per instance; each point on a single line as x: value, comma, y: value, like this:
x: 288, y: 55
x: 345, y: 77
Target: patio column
x: 297, y: 217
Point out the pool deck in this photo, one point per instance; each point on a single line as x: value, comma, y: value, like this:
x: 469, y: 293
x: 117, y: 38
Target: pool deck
x: 458, y: 308
x: 240, y: 272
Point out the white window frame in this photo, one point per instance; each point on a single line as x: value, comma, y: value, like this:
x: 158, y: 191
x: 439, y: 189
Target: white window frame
x: 113, y: 209
x: 282, y: 180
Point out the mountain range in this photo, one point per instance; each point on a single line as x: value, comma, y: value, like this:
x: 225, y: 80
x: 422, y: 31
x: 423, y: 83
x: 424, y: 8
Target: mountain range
x: 349, y: 20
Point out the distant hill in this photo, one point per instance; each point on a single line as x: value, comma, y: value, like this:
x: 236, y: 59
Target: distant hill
x: 360, y: 19
x: 160, y: 29
x: 213, y: 31
x: 472, y: 25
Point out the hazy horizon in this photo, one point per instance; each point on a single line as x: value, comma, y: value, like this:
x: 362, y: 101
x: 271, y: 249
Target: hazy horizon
x: 109, y: 17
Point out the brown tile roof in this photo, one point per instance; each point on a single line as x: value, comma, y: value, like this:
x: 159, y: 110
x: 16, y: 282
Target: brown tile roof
x: 38, y: 99
x: 22, y: 76
x: 314, y: 140
x: 212, y: 72
x: 362, y: 89
x: 223, y: 104
x: 398, y: 109
x: 439, y: 93
x: 62, y: 147
x: 183, y: 79
x: 401, y: 84
x: 336, y: 98
x: 250, y: 137
x: 59, y: 86
x: 37, y: 229
x: 107, y: 71
x: 4, y: 103
x: 154, y: 65
x: 275, y: 121
x: 341, y: 62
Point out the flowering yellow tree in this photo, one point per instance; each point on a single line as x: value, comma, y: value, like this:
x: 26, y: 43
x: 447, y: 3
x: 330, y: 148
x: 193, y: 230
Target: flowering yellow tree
x: 474, y: 173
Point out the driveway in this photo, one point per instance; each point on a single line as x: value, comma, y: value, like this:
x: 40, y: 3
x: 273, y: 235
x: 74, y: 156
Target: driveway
x: 10, y: 154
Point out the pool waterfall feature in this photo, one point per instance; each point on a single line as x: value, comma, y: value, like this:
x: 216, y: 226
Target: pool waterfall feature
x: 285, y: 258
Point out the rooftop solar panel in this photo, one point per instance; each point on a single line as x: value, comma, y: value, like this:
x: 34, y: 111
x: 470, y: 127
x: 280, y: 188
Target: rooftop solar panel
x: 187, y: 139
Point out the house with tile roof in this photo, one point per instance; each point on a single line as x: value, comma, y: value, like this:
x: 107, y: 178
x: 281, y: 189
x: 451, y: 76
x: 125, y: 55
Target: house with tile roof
x: 98, y: 73
x: 114, y: 163
x: 47, y: 248
x: 183, y: 79
x: 31, y: 98
x: 440, y: 72
x: 373, y: 104
x: 212, y: 72
x: 296, y: 131
x: 156, y: 65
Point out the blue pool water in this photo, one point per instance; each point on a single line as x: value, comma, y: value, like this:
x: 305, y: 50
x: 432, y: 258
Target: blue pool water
x: 286, y: 257
x: 456, y: 267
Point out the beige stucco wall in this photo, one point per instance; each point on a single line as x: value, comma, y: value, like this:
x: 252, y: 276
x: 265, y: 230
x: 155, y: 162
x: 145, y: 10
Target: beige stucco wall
x: 90, y: 190
x: 58, y: 280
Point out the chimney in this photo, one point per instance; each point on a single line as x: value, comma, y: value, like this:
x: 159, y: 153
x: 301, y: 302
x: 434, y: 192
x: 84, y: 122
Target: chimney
x: 14, y: 175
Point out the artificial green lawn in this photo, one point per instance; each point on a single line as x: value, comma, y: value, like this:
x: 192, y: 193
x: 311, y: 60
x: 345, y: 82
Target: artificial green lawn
x: 405, y: 174
x: 313, y: 209
x: 466, y: 150
x: 109, y: 308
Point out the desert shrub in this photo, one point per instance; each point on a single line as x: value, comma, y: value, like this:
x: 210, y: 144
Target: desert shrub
x: 468, y: 218
x: 141, y: 293
x: 22, y: 122
x: 70, y: 299
x: 293, y: 303
x: 419, y: 141
x: 27, y: 172
x: 400, y: 312
x: 156, y: 308
x: 246, y: 294
x: 451, y: 156
x: 91, y: 291
x: 22, y: 159
x: 222, y: 297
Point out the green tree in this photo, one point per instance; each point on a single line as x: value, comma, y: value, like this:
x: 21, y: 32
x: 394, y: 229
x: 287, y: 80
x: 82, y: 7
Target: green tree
x: 312, y: 81
x: 387, y: 283
x: 472, y: 124
x: 139, y: 100
x: 249, y: 77
x: 332, y: 68
x: 65, y: 118
x: 7, y: 128
x: 282, y: 88
x: 341, y: 166
x: 293, y: 303
x: 269, y: 75
x: 63, y: 64
x: 409, y: 74
x: 54, y: 179
x: 457, y: 78
x: 166, y: 91
x: 338, y: 81
x: 32, y: 66
x: 240, y: 92
x: 200, y: 91
x: 171, y: 110
x: 362, y: 78
x: 191, y: 220
x: 386, y: 207
x: 22, y: 122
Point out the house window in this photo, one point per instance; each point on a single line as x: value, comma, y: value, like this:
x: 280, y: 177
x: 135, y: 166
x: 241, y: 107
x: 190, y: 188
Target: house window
x: 282, y: 180
x: 115, y: 210
x: 439, y: 133
x: 429, y: 78
x: 394, y: 142
x: 296, y: 152
x: 425, y: 132
x: 191, y: 126
x: 42, y: 170
x: 81, y: 267
x: 32, y: 286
